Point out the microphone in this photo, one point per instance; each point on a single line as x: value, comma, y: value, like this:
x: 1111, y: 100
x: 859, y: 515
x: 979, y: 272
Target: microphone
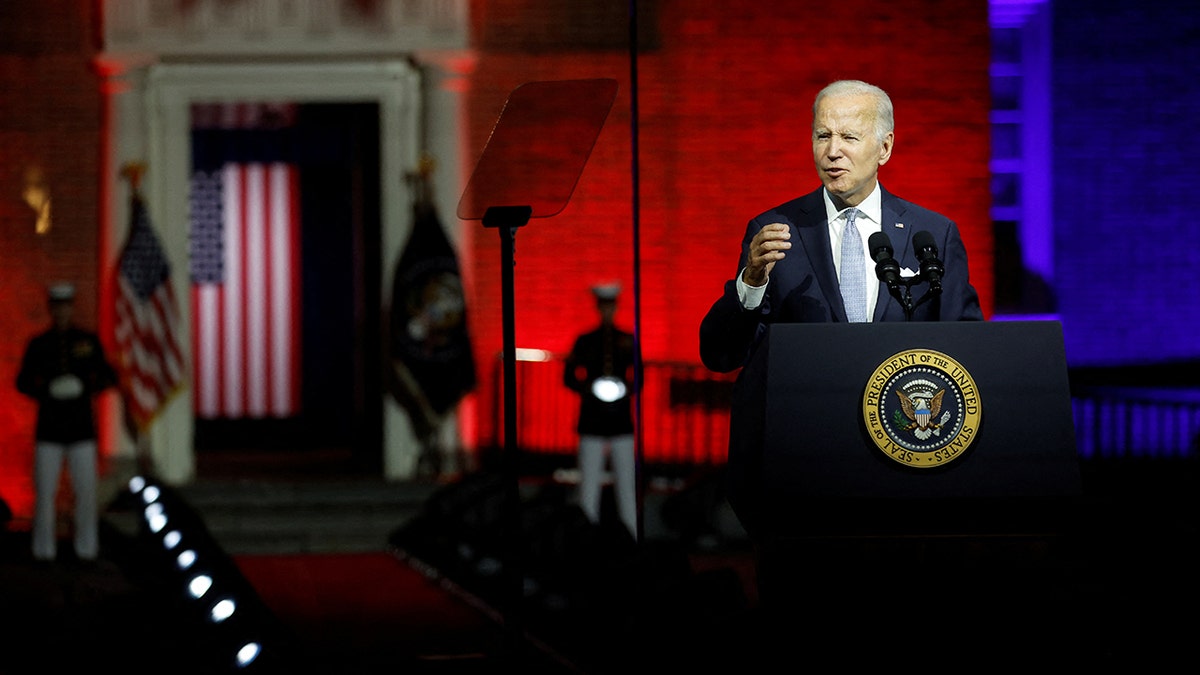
x: 888, y: 270
x: 932, y: 269
x: 886, y: 267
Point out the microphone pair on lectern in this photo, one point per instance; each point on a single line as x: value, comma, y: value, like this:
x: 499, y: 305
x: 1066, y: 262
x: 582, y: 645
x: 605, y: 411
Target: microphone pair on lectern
x: 888, y: 270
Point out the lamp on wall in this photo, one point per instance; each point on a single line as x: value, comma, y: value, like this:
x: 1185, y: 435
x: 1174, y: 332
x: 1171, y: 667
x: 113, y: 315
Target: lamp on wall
x: 37, y: 196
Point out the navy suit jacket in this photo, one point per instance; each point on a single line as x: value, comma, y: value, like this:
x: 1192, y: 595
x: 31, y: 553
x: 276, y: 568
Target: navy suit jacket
x: 803, y: 287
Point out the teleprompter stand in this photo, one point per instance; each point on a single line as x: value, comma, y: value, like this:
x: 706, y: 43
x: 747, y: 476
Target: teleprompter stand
x: 529, y: 169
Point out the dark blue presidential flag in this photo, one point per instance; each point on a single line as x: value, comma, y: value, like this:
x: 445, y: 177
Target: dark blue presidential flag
x: 430, y: 345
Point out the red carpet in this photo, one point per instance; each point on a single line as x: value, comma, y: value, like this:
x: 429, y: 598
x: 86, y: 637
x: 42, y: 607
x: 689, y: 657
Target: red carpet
x: 370, y: 610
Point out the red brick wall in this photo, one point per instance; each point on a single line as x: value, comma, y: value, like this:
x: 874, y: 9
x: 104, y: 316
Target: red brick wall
x: 49, y: 123
x: 724, y: 102
x: 724, y: 95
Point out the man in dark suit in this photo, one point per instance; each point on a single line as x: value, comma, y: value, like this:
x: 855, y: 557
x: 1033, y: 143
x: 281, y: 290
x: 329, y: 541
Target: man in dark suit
x: 798, y: 264
x: 791, y: 266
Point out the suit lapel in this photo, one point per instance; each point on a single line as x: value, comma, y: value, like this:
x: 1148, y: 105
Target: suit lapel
x: 899, y: 233
x: 813, y: 229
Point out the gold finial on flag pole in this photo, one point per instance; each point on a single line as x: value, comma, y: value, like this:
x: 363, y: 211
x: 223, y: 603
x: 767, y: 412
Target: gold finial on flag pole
x: 133, y: 172
x: 425, y: 167
x: 420, y: 178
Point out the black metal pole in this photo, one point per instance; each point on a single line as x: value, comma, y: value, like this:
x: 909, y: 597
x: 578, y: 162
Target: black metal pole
x: 637, y: 279
x: 507, y: 220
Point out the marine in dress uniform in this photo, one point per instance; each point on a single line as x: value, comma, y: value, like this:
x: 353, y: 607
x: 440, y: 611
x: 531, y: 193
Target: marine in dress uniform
x: 600, y: 369
x: 62, y: 369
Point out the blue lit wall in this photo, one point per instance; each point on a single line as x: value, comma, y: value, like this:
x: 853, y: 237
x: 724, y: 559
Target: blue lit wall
x: 1126, y: 170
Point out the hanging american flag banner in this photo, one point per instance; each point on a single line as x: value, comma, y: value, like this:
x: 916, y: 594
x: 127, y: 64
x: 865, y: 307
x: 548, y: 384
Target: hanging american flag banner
x: 148, y: 355
x: 245, y: 255
x: 245, y: 307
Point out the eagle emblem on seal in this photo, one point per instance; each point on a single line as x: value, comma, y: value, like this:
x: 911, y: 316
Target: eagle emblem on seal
x: 921, y: 408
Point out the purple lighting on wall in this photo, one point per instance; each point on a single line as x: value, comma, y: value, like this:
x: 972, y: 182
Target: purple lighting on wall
x: 1020, y: 165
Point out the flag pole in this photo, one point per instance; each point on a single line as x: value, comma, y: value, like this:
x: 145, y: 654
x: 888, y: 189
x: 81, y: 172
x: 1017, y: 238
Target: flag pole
x: 427, y: 421
x: 133, y: 172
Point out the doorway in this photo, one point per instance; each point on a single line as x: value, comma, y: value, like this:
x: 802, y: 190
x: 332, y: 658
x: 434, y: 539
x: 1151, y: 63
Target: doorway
x: 332, y: 421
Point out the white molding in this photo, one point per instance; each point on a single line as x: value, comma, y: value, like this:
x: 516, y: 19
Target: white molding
x: 254, y: 28
x: 156, y: 124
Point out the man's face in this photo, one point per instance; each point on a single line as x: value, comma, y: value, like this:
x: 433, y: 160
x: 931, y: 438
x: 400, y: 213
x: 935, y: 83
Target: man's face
x: 60, y: 313
x: 845, y: 150
x: 607, y: 309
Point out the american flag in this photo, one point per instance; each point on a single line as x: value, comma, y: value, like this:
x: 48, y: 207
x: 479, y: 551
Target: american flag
x: 147, y: 317
x: 245, y: 290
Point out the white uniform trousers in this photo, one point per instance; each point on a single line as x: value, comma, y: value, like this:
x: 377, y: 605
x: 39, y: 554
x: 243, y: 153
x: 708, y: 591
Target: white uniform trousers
x: 80, y: 457
x: 593, y: 450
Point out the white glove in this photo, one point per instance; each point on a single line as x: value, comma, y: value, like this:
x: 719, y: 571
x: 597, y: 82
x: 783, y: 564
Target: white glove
x: 65, y: 387
x: 608, y: 389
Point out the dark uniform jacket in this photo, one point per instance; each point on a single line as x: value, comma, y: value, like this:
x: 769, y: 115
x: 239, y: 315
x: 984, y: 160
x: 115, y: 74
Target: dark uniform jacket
x: 60, y: 352
x: 607, y: 350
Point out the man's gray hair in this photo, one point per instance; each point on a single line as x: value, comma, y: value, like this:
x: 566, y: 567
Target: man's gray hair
x: 884, y: 116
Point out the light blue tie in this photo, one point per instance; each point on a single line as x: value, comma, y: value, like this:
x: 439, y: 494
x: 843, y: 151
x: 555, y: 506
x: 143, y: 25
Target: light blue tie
x: 854, y: 275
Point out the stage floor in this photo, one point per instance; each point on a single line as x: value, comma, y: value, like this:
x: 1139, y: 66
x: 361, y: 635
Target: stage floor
x: 1116, y: 591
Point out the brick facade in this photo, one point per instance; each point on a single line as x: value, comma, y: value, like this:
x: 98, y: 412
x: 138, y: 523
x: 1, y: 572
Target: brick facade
x: 724, y: 109
x: 49, y: 136
x: 723, y: 96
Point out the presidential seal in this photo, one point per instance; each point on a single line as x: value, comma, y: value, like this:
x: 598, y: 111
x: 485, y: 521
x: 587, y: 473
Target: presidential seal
x: 921, y: 408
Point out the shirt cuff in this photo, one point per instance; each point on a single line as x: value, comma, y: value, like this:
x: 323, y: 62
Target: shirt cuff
x: 750, y: 296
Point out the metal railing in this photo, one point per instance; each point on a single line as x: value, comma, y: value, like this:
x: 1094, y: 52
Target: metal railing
x: 685, y: 412
x: 1136, y: 422
x: 685, y: 415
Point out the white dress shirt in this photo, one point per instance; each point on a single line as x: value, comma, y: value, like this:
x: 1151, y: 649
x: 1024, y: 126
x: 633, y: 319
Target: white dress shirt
x: 869, y: 221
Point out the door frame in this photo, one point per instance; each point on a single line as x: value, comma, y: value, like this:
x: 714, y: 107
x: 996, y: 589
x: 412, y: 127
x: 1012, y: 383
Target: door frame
x: 153, y: 124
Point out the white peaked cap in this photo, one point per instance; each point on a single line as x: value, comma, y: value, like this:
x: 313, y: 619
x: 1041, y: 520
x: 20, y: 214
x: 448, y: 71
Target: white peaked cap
x: 61, y: 290
x: 608, y: 291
